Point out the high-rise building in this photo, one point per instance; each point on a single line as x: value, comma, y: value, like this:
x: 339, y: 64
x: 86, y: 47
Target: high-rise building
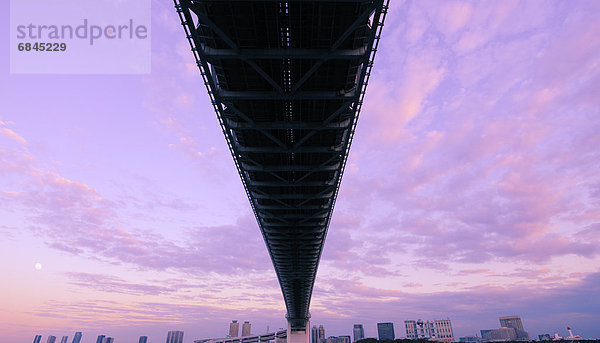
x: 511, y: 322
x: 77, y: 337
x: 246, y: 329
x: 443, y: 330
x: 51, y: 339
x: 314, y: 338
x: 37, y: 339
x: 344, y: 339
x: 64, y: 339
x: 385, y: 331
x: 175, y: 337
x: 234, y: 328
x: 109, y: 340
x: 359, y: 332
x: 515, y: 323
x: 100, y: 339
x: 439, y: 329
x: 143, y: 339
x: 322, y: 338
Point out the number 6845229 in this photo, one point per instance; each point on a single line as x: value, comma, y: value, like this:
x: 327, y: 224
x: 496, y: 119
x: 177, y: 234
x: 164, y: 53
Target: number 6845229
x: 42, y: 46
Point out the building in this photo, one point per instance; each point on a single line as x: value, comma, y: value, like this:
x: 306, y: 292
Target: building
x: 344, y: 339
x: 175, y: 337
x: 246, y: 329
x: 100, y: 339
x: 385, y: 331
x: 64, y: 339
x: 322, y: 334
x: 314, y: 335
x: 109, y: 340
x: 143, y: 339
x: 470, y: 339
x: 37, y: 339
x: 545, y: 337
x: 51, y: 339
x: 418, y: 329
x: 484, y: 332
x: 499, y: 335
x: 331, y: 339
x: 234, y: 328
x: 515, y: 323
x: 511, y: 322
x: 77, y: 337
x: 443, y: 330
x: 359, y: 332
x: 439, y: 329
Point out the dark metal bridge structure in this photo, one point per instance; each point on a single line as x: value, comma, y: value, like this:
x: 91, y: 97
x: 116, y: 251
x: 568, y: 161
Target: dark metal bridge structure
x: 287, y: 81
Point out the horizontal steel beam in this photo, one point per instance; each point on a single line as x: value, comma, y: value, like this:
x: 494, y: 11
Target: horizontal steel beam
x: 277, y: 234
x: 316, y: 54
x: 299, y: 150
x: 260, y: 95
x: 302, y: 241
x: 323, y: 222
x: 252, y: 183
x: 275, y: 207
x: 293, y: 216
x: 291, y: 168
x: 258, y: 195
x: 347, y: 1
x: 295, y: 125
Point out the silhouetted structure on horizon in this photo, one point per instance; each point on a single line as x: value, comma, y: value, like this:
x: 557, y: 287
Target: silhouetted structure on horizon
x: 358, y: 331
x: 175, y: 337
x: 385, y: 331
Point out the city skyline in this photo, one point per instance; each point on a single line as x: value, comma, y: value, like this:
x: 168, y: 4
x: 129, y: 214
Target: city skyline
x: 440, y: 329
x: 471, y: 189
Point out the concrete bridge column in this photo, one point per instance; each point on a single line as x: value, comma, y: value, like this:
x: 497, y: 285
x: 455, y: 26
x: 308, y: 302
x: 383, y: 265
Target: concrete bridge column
x: 298, y: 332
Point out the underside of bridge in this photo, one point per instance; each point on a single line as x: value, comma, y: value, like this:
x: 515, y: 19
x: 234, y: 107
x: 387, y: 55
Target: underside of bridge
x: 287, y: 81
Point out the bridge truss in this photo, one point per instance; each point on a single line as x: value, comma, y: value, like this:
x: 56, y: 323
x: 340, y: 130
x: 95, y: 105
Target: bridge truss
x: 287, y: 81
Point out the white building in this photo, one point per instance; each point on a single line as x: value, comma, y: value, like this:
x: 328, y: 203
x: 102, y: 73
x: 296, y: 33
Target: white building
x: 439, y: 329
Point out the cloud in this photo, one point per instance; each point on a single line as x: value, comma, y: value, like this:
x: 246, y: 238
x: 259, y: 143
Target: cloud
x: 495, y: 159
x: 71, y: 216
x: 12, y: 135
x: 113, y: 284
x: 473, y: 271
x: 535, y: 304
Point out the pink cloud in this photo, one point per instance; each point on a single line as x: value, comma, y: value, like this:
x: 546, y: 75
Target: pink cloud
x: 112, y: 284
x: 73, y: 217
x: 490, y: 172
x: 6, y: 132
x: 474, y: 271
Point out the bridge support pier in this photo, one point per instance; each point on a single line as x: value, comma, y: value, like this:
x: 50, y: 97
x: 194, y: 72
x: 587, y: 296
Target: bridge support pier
x: 298, y: 332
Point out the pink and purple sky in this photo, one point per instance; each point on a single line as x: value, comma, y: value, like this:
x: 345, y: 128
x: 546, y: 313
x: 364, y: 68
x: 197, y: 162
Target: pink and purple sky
x: 472, y: 189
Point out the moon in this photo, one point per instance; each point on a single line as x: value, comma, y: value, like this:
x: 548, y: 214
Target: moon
x: 38, y: 266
